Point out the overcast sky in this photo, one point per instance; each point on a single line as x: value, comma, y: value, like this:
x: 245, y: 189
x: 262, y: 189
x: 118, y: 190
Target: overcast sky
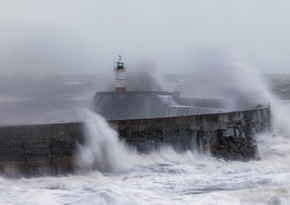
x: 83, y: 36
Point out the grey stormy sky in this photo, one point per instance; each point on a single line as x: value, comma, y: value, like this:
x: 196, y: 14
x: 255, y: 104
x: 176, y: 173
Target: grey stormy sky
x: 82, y: 36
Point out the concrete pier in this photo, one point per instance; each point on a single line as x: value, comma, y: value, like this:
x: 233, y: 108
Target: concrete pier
x: 37, y: 150
x: 152, y: 104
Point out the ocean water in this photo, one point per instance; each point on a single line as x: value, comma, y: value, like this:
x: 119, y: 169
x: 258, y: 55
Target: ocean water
x: 110, y: 172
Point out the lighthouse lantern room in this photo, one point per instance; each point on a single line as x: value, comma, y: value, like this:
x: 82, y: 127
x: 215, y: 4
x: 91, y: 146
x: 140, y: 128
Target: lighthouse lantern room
x: 120, y: 75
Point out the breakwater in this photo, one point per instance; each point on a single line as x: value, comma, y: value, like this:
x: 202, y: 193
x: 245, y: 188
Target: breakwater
x: 151, y: 104
x: 36, y: 150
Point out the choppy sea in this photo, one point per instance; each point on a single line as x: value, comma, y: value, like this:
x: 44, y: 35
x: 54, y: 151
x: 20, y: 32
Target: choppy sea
x: 161, y: 177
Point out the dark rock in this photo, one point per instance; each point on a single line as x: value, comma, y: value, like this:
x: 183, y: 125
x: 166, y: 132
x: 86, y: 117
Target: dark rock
x: 230, y: 138
x: 237, y: 142
x: 222, y: 142
x: 244, y: 149
x: 232, y: 148
x: 243, y: 143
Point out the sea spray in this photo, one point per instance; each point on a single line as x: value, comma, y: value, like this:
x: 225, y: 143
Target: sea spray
x: 226, y: 76
x: 102, y: 149
x: 167, y: 177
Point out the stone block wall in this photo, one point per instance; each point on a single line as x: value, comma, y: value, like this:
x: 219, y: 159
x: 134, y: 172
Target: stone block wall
x: 36, y: 150
x: 189, y: 132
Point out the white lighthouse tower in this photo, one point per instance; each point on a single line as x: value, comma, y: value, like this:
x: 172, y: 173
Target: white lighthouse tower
x: 120, y: 76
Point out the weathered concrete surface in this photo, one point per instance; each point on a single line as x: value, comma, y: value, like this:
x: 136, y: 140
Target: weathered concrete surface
x: 192, y: 131
x: 152, y: 104
x: 129, y: 105
x: 38, y: 149
x: 50, y: 149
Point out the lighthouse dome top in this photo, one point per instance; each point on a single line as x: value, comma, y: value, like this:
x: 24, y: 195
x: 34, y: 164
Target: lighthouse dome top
x: 120, y: 59
x: 119, y: 65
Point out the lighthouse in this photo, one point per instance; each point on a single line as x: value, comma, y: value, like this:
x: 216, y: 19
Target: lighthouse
x: 120, y: 76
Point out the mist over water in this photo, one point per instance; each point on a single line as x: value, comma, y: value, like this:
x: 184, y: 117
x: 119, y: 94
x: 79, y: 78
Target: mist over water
x: 110, y: 172
x: 49, y: 98
x: 55, y: 55
x: 226, y: 76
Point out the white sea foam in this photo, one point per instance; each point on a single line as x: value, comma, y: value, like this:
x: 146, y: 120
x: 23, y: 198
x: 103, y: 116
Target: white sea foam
x: 112, y: 173
x: 102, y: 149
x: 167, y: 177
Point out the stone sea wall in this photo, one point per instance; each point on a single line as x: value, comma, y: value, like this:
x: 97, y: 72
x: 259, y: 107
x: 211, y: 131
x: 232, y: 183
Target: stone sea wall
x: 197, y: 131
x: 36, y: 150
